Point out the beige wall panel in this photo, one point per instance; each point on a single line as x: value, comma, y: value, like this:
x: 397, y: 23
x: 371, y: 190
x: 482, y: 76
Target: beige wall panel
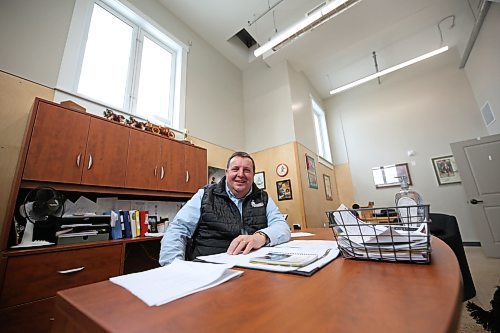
x: 216, y: 155
x: 315, y: 203
x: 16, y: 99
x: 344, y: 185
x: 266, y: 161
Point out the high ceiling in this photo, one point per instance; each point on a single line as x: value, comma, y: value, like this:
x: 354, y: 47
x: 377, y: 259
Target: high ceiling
x: 340, y: 50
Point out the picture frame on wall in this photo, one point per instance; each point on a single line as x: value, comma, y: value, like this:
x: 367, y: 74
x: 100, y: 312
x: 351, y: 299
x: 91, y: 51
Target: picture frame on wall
x: 311, y: 172
x: 284, y: 189
x: 446, y: 170
x: 260, y: 180
x: 390, y: 175
x: 215, y: 174
x: 328, y: 187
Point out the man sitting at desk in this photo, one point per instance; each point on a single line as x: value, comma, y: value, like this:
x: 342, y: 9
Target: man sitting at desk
x: 231, y: 216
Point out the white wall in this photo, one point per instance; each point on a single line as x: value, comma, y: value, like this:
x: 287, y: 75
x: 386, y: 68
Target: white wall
x: 483, y: 66
x: 423, y: 108
x: 268, y: 119
x: 32, y: 38
x: 33, y: 35
x: 301, y: 92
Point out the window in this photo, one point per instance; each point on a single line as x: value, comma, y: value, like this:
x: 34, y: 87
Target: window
x: 123, y: 62
x: 321, y: 132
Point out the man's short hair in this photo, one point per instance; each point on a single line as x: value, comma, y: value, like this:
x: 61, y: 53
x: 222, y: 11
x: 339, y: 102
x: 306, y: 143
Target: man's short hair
x: 241, y: 154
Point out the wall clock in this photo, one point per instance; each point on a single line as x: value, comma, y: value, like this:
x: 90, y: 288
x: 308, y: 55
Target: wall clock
x: 282, y: 170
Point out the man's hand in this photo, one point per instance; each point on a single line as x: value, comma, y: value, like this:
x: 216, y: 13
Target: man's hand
x: 246, y: 243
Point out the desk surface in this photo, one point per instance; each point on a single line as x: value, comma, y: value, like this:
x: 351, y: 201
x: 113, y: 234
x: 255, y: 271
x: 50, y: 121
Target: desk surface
x: 344, y: 296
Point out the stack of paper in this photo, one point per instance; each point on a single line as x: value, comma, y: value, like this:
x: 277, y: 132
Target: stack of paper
x: 388, y: 242
x: 322, y: 251
x: 181, y: 278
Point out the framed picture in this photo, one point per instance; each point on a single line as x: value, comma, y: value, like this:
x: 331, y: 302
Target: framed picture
x: 215, y: 174
x: 311, y: 172
x: 328, y: 187
x: 446, y: 170
x: 390, y: 175
x: 260, y: 180
x: 284, y: 189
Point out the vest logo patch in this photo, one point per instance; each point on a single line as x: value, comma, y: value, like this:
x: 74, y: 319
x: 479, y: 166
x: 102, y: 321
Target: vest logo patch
x: 255, y: 205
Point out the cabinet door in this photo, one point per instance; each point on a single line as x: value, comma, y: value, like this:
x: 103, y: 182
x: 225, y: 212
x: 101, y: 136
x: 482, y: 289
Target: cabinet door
x: 172, y: 159
x: 196, y: 168
x: 57, y: 146
x: 143, y: 167
x: 106, y: 154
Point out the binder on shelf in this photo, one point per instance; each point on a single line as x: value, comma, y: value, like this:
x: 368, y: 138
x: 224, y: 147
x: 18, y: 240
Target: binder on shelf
x: 133, y: 224
x: 126, y: 230
x: 138, y: 223
x: 116, y: 226
x: 143, y: 219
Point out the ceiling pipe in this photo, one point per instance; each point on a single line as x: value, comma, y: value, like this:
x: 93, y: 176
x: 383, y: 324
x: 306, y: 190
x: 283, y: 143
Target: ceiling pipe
x: 485, y: 6
x: 264, y: 13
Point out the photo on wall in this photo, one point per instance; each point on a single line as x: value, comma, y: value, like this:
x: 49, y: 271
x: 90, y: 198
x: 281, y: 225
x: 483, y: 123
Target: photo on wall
x: 215, y: 174
x: 446, y: 170
x: 284, y: 189
x: 311, y: 172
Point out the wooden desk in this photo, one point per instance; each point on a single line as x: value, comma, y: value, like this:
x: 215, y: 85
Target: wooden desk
x: 344, y: 296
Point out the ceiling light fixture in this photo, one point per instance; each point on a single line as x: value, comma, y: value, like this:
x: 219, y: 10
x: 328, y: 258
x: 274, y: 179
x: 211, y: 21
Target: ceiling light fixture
x: 311, y: 21
x: 389, y: 70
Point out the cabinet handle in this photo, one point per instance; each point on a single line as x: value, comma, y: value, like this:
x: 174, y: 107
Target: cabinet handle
x: 187, y: 176
x: 162, y: 173
x: 73, y: 270
x: 78, y: 159
x: 90, y: 162
x: 155, y: 170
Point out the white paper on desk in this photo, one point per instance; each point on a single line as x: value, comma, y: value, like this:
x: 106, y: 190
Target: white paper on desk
x: 181, y: 278
x: 324, y: 254
x: 301, y: 234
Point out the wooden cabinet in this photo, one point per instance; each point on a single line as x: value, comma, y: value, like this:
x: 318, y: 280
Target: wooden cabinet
x: 71, y: 147
x: 37, y: 276
x: 162, y: 164
x: 32, y: 280
x: 106, y: 154
x: 196, y: 168
x: 80, y: 153
x: 57, y: 145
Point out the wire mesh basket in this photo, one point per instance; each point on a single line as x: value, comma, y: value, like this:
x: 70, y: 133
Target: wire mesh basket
x: 392, y: 234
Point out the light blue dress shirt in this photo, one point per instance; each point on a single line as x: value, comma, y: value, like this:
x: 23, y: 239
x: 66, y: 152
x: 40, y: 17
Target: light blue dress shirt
x: 182, y: 227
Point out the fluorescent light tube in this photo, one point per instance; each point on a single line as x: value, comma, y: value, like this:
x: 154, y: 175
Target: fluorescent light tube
x: 302, y: 24
x: 389, y: 70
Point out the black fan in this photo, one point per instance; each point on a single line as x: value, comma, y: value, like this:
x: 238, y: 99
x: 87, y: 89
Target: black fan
x: 42, y: 207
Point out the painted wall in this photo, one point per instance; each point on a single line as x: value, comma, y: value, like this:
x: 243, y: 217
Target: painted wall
x: 268, y: 119
x: 301, y: 92
x: 423, y: 108
x: 33, y: 35
x: 315, y: 203
x: 483, y: 67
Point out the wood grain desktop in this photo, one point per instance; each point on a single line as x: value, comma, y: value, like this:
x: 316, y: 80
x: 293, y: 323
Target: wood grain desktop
x: 344, y: 296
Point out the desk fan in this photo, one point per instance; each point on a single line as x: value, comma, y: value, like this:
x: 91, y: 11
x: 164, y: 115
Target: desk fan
x: 41, y: 208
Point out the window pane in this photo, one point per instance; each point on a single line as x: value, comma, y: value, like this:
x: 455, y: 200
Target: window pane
x: 106, y: 60
x: 153, y: 97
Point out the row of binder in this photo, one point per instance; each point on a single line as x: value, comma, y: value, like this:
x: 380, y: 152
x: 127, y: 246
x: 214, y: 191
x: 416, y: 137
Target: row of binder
x: 129, y: 223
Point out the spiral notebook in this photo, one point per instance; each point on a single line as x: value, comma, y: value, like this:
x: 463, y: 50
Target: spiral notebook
x: 285, y: 259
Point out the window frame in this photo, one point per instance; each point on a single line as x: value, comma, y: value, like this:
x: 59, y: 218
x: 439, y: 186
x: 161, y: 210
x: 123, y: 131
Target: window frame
x: 74, y: 51
x: 321, y: 131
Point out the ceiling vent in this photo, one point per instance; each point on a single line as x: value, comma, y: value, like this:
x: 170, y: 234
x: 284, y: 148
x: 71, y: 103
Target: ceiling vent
x: 245, y: 37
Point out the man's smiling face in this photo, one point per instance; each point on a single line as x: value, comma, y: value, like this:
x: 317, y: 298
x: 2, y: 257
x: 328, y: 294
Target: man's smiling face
x: 239, y: 176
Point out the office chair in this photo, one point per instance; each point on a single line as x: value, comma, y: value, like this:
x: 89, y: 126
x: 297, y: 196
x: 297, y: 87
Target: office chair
x: 445, y: 227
